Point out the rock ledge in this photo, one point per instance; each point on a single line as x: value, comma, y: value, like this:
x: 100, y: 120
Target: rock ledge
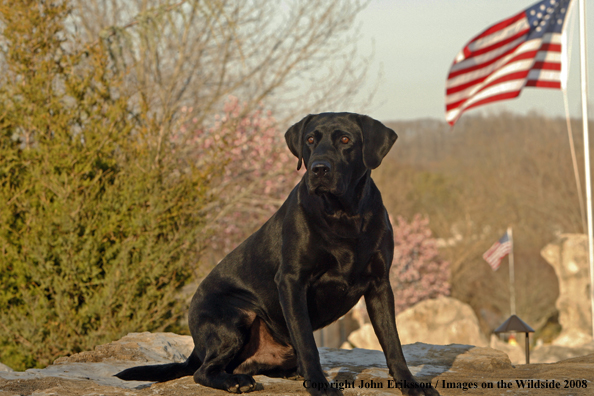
x: 454, y: 369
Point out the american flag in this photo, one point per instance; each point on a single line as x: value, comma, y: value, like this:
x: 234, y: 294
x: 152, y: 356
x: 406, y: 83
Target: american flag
x: 522, y: 51
x: 498, y: 251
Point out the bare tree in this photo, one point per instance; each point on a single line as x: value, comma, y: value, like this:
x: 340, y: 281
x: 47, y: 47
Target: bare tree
x: 294, y: 56
x: 187, y: 60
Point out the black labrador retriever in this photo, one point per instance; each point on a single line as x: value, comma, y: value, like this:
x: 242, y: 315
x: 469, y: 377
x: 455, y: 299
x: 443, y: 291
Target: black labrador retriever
x: 330, y: 243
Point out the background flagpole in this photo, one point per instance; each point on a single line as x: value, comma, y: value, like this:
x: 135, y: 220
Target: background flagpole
x: 512, y: 280
x: 584, y: 85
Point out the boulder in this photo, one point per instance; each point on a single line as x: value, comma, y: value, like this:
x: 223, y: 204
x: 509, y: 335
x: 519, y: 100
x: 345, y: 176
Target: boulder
x: 440, y: 321
x: 568, y: 255
x: 516, y: 353
x: 140, y: 347
x: 364, y: 337
x: 452, y: 369
x: 335, y: 334
x: 555, y: 353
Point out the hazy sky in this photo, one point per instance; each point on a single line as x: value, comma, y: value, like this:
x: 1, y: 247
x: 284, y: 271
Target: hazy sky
x: 415, y: 44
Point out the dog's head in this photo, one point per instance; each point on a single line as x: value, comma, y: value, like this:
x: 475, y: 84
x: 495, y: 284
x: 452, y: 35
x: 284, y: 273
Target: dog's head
x: 338, y: 148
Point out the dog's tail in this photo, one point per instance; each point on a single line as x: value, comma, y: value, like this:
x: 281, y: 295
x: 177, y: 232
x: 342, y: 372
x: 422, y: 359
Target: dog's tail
x: 161, y: 372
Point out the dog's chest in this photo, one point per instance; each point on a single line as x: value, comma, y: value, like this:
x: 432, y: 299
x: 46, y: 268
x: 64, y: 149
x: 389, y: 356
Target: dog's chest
x: 341, y: 284
x: 343, y: 261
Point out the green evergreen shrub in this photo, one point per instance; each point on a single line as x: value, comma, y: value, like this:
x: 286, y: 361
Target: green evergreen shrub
x: 99, y: 229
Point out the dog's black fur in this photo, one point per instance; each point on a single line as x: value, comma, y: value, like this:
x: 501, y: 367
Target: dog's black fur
x: 330, y: 243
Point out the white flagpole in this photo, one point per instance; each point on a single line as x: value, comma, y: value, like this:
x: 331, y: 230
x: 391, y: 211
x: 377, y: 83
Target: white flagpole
x: 512, y: 280
x: 576, y: 172
x: 565, y: 56
x: 584, y: 85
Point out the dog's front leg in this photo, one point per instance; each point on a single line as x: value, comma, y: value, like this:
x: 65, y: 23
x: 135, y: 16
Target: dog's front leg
x: 292, y: 291
x: 379, y: 300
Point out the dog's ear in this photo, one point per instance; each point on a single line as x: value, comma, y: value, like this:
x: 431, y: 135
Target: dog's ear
x: 377, y: 141
x: 294, y: 138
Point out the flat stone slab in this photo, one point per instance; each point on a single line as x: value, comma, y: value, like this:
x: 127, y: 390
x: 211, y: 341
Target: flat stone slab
x: 452, y: 369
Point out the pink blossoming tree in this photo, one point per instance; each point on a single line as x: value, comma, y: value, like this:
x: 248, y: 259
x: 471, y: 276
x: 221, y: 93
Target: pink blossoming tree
x: 256, y: 169
x: 417, y: 272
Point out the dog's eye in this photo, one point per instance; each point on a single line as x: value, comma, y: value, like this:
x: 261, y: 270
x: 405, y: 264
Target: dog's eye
x: 310, y: 140
x: 345, y: 139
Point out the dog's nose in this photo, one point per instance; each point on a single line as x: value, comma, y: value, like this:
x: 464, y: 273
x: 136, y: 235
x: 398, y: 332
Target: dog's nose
x: 320, y: 168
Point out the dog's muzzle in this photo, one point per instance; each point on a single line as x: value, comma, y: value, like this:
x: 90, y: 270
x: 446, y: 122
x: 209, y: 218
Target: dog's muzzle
x: 321, y: 169
x: 322, y: 178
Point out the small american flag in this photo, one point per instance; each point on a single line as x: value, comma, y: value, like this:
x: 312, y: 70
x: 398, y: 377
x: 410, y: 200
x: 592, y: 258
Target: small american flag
x: 522, y: 51
x: 498, y: 251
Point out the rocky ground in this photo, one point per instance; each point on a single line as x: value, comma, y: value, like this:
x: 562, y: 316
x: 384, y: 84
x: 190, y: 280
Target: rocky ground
x: 453, y: 369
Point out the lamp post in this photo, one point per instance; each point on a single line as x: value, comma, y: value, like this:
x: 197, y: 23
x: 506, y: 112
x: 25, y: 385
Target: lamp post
x: 513, y: 323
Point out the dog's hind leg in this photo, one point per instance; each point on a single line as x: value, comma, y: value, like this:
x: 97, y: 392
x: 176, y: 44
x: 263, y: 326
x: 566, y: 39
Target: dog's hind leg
x: 222, y: 342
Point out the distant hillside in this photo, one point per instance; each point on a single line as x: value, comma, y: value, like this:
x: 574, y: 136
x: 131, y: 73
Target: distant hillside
x: 475, y: 180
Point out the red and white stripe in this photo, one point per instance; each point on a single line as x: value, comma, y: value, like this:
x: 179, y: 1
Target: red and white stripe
x: 499, y: 62
x: 496, y: 253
